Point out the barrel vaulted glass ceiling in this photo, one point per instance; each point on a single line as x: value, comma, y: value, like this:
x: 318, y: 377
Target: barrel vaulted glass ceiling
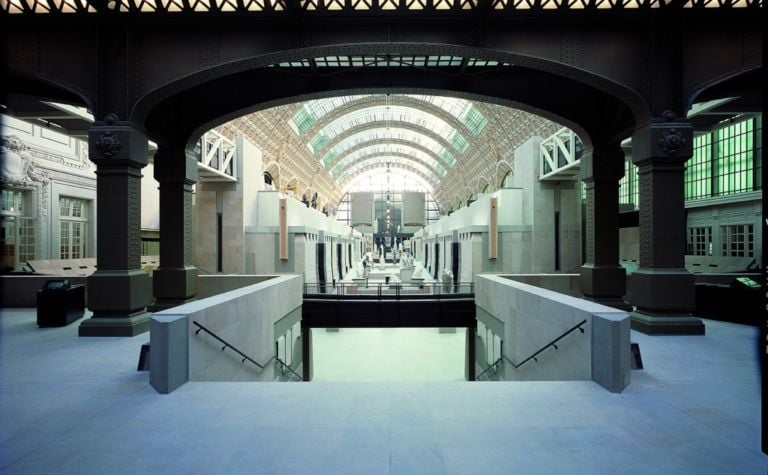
x: 388, y: 134
x: 451, y: 147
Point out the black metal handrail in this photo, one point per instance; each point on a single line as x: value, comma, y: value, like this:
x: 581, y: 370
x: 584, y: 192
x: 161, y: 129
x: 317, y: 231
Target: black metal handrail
x: 286, y: 366
x: 393, y: 290
x: 551, y: 343
x: 493, y: 366
x: 228, y: 345
x: 282, y: 363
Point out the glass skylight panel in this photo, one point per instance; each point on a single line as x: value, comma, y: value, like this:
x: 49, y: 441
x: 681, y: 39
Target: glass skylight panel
x: 452, y: 105
x: 396, y: 181
x: 380, y: 134
x: 462, y: 109
x: 310, y: 112
x: 329, y: 157
x: 318, y: 142
x: 321, y: 107
x: 380, y: 162
x: 474, y: 62
x: 394, y: 114
x: 473, y: 119
x: 396, y: 150
x: 384, y: 60
x: 448, y: 157
x: 302, y: 120
x: 459, y: 142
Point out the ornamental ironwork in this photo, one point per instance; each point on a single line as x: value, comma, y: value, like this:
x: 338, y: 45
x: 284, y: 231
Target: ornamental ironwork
x: 671, y: 142
x: 108, y: 144
x: 331, y: 7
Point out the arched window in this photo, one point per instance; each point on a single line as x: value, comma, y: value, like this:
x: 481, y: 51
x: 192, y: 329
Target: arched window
x: 507, y: 181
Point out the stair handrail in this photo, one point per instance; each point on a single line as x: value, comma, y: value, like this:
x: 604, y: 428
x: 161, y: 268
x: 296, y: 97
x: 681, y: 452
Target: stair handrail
x: 496, y: 364
x: 551, y: 343
x: 229, y: 345
x: 285, y: 365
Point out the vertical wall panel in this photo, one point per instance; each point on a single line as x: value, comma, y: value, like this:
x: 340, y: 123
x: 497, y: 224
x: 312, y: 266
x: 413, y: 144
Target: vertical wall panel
x: 361, y: 212
x: 283, y: 238
x: 413, y: 208
x: 493, y: 228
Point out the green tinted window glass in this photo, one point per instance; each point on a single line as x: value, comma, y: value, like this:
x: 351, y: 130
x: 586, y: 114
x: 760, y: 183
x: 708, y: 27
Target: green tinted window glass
x: 698, y: 169
x: 735, y: 157
x: 459, y: 142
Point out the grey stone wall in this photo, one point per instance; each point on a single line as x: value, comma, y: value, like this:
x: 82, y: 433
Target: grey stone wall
x: 246, y: 318
x: 532, y: 317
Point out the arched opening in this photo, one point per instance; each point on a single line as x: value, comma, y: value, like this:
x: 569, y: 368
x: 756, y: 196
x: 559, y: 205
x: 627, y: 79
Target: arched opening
x: 550, y: 89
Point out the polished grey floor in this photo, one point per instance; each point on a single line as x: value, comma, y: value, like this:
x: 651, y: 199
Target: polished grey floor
x: 77, y: 405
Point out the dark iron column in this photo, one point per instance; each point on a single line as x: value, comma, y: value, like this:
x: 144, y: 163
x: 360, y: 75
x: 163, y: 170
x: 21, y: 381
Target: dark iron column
x: 306, y: 352
x: 661, y: 289
x: 471, y: 351
x: 119, y: 291
x: 175, y: 281
x: 603, y: 280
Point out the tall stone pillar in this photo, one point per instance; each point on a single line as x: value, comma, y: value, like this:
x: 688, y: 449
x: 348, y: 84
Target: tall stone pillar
x: 119, y: 291
x: 661, y: 289
x: 603, y: 280
x: 175, y: 280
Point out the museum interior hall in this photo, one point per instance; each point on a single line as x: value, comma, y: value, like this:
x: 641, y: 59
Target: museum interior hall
x: 382, y: 236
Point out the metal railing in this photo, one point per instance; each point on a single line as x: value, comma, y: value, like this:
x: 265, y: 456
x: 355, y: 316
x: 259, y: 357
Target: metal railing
x: 551, y: 343
x: 499, y: 363
x: 285, y: 367
x: 394, y: 291
x: 495, y: 366
x: 245, y: 357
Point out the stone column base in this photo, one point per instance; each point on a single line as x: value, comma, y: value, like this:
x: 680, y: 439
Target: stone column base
x: 663, y: 291
x: 115, y: 326
x: 661, y: 324
x: 118, y: 300
x: 173, y: 286
x: 603, y: 283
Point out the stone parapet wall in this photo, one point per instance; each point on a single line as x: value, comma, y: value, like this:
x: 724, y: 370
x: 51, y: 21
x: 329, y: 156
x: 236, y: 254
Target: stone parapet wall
x: 531, y: 317
x: 244, y: 317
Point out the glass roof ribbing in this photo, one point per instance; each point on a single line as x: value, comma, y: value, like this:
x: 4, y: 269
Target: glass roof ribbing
x: 381, y: 162
x: 311, y: 111
x: 396, y: 150
x: 395, y: 133
x: 388, y: 115
x: 395, y: 181
x: 462, y: 109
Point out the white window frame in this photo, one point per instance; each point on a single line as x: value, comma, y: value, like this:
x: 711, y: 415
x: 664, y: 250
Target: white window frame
x: 68, y: 248
x: 729, y: 232
x: 25, y: 241
x: 699, y: 241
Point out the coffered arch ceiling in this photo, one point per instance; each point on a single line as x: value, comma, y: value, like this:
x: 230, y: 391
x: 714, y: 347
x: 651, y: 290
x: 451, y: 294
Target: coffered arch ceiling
x: 449, y: 144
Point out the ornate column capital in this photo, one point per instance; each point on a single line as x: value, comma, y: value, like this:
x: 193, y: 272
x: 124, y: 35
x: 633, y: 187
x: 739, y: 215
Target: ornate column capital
x: 113, y: 142
x: 663, y: 141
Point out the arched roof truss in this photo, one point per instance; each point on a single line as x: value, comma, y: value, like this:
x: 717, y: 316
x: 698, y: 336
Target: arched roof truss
x: 374, y: 134
x: 381, y: 162
x: 387, y: 116
x: 403, y: 150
